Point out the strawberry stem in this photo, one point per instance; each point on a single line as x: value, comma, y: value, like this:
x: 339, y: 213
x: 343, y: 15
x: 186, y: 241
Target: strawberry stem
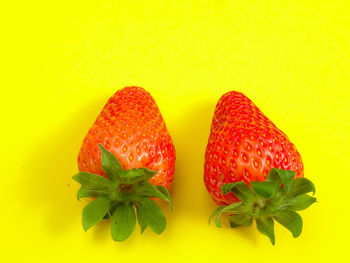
x: 119, y: 195
x: 278, y: 198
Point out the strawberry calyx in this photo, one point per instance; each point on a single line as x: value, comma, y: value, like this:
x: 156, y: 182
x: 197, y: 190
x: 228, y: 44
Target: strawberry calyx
x: 119, y: 195
x: 278, y: 198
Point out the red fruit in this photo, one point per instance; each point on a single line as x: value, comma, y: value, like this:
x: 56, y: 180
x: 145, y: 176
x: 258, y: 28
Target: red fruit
x: 243, y: 146
x: 126, y: 160
x: 131, y: 126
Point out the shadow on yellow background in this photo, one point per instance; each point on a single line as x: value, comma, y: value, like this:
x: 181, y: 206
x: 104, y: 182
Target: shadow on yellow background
x: 47, y: 185
x: 190, y: 137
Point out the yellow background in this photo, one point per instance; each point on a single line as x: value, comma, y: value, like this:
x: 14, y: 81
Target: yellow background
x: 62, y: 60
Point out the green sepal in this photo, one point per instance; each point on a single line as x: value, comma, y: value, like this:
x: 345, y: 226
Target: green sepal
x: 151, y: 215
x: 280, y: 176
x: 264, y: 189
x: 278, y: 198
x: 84, y: 192
x: 240, y: 189
x: 117, y: 196
x: 92, y: 185
x: 110, y: 164
x: 301, y: 186
x: 92, y: 180
x: 146, y: 189
x: 140, y: 218
x: 228, y: 209
x: 297, y: 203
x: 216, y: 212
x: 290, y: 220
x: 123, y: 222
x: 265, y: 226
x: 95, y: 211
x: 165, y: 192
x: 134, y: 176
x: 240, y: 220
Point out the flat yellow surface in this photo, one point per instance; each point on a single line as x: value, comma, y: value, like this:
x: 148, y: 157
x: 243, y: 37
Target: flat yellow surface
x: 62, y: 60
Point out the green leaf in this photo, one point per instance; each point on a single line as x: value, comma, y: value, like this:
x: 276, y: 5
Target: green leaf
x: 231, y: 208
x: 280, y: 176
x: 95, y: 211
x: 273, y: 176
x: 276, y: 198
x: 123, y: 222
x: 290, y: 220
x: 215, y: 212
x: 264, y: 189
x: 146, y: 189
x: 151, y: 215
x: 240, y: 189
x: 265, y: 227
x: 110, y: 164
x: 140, y: 219
x: 300, y: 186
x: 240, y: 220
x: 92, y: 180
x: 298, y: 203
x: 226, y: 188
x: 85, y: 191
x: 114, y: 196
x: 165, y: 192
x: 92, y: 185
x: 218, y: 220
x: 134, y: 175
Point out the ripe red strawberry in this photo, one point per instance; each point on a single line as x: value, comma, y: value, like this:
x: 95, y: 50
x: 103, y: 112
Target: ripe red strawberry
x: 243, y: 150
x: 137, y: 163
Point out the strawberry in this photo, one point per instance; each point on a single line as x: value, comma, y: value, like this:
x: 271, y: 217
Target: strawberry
x: 127, y: 159
x: 252, y: 170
